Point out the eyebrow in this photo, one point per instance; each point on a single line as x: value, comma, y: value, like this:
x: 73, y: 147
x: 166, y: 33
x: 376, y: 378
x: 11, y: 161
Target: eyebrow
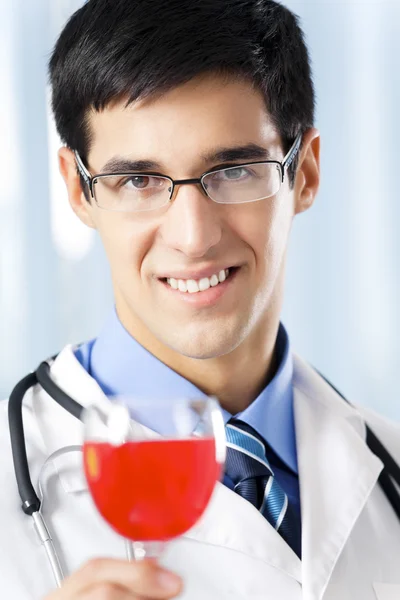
x: 248, y: 152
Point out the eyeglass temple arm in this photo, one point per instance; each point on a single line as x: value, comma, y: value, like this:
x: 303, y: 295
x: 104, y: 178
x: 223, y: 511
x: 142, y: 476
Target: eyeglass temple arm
x: 291, y: 155
x: 83, y: 171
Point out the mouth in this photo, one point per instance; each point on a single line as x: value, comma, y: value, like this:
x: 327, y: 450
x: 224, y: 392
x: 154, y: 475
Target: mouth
x: 195, y: 286
x: 203, y: 291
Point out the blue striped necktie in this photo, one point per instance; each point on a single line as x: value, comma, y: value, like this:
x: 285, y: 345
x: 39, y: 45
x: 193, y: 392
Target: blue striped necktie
x: 248, y: 468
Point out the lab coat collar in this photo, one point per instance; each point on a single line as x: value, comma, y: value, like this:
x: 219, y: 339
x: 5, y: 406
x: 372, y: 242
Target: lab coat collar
x: 337, y: 473
x: 336, y: 469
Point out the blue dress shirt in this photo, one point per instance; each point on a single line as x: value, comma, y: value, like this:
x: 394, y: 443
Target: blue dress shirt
x: 122, y: 367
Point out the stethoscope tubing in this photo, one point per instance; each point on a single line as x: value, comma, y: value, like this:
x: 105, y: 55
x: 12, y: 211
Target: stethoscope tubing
x: 391, y: 470
x: 30, y: 501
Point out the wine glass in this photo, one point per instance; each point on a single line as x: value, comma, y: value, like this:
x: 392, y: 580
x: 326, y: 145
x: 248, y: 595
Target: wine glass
x: 152, y: 465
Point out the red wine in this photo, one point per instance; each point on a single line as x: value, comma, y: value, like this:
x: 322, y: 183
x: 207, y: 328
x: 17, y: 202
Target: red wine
x: 152, y: 490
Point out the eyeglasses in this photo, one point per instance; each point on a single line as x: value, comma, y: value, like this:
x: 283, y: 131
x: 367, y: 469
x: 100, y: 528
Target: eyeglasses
x: 138, y: 192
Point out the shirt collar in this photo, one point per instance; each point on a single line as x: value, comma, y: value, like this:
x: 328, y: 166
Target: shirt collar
x: 122, y: 367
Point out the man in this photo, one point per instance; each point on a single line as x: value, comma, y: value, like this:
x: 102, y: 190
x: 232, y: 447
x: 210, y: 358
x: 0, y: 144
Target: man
x: 190, y: 147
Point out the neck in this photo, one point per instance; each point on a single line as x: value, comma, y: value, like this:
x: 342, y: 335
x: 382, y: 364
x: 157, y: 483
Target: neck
x: 237, y: 378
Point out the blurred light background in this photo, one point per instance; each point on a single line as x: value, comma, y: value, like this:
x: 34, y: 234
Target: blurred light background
x: 343, y: 278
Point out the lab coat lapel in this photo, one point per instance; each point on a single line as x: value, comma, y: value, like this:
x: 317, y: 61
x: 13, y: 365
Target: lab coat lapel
x: 337, y: 473
x: 232, y: 522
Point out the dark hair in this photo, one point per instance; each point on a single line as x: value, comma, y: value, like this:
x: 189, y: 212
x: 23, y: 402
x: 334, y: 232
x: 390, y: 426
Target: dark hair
x: 134, y: 49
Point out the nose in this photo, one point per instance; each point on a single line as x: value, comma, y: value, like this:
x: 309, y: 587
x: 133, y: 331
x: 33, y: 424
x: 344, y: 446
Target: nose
x: 192, y: 223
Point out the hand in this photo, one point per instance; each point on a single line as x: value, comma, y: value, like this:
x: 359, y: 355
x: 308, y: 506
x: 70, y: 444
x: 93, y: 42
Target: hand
x: 111, y: 579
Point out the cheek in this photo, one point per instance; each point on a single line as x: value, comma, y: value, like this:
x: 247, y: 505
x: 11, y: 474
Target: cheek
x: 276, y: 238
x: 265, y: 230
x: 126, y: 241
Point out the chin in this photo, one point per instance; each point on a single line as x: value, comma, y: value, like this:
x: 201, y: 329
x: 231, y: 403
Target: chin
x: 204, y: 345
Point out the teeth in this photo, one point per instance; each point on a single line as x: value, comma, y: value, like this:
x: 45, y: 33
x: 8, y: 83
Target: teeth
x: 214, y: 280
x: 192, y: 286
x: 182, y: 286
x: 204, y: 284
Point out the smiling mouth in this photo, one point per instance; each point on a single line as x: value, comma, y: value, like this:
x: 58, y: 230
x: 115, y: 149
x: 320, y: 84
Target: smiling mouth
x: 194, y: 286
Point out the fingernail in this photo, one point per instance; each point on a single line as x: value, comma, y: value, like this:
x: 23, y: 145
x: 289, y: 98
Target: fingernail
x: 168, y: 581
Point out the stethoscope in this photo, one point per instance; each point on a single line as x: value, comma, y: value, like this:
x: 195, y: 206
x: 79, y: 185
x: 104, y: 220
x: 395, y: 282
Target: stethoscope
x: 32, y: 503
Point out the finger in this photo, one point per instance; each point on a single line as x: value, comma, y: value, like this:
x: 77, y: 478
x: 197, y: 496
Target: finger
x: 143, y: 578
x: 107, y: 591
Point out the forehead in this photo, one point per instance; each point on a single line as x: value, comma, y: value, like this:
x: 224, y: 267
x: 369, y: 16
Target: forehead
x: 183, y: 123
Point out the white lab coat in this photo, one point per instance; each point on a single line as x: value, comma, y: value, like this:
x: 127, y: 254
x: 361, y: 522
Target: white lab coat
x: 351, y: 536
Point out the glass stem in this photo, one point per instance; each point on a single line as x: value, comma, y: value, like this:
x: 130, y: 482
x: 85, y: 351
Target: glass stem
x: 129, y: 550
x: 141, y: 550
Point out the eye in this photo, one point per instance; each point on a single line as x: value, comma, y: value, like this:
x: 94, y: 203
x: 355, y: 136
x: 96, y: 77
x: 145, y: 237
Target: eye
x: 232, y: 174
x: 137, y: 182
x: 236, y: 173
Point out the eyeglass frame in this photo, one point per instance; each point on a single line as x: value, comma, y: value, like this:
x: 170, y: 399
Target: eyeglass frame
x: 285, y: 164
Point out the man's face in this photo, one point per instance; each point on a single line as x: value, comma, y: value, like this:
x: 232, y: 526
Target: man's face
x: 193, y: 237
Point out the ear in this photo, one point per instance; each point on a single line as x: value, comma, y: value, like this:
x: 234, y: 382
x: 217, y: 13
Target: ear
x: 68, y: 169
x: 308, y: 172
